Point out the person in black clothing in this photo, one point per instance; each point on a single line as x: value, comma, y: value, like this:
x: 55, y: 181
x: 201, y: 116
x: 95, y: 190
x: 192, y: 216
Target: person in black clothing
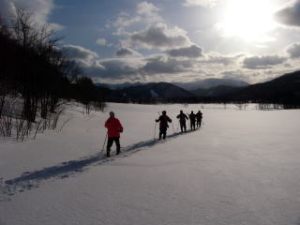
x: 192, y: 120
x: 199, y: 118
x: 163, y: 124
x: 182, y: 120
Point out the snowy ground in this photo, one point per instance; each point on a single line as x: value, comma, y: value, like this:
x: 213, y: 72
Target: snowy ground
x: 240, y: 168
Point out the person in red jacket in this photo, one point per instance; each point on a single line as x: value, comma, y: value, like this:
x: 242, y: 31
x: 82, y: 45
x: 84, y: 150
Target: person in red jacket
x: 114, y: 128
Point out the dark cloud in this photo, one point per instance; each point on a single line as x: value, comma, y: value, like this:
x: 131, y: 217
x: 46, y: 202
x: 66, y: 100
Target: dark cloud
x: 127, y: 52
x: 76, y: 52
x: 294, y: 50
x: 130, y: 68
x: 119, y: 68
x: 166, y: 65
x: 222, y: 59
x: 114, y: 69
x: 192, y: 51
x: 290, y: 15
x: 160, y: 36
x: 262, y: 62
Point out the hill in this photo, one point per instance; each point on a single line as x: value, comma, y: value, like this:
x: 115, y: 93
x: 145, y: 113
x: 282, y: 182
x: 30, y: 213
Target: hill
x: 151, y: 92
x: 282, y: 90
x: 211, y: 83
x: 217, y: 91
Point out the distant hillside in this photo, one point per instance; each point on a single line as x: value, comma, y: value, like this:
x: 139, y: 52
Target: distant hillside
x: 217, y: 91
x: 151, y: 92
x: 212, y: 82
x: 284, y: 90
x: 189, y: 86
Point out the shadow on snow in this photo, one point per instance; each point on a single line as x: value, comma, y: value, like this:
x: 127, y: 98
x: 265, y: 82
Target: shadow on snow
x: 29, y: 180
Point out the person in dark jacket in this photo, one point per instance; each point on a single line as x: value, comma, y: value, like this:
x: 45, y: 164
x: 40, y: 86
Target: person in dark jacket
x: 114, y: 128
x: 199, y: 118
x: 182, y: 120
x: 192, y: 120
x: 163, y: 124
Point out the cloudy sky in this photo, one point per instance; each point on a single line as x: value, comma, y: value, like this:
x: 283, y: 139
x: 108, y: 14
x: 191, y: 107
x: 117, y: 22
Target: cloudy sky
x: 118, y: 41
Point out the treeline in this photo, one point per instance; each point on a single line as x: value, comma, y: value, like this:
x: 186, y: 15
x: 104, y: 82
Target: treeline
x: 36, y: 78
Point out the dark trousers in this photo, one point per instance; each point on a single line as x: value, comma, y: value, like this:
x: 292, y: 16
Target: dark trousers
x: 110, y: 142
x: 199, y: 123
x: 182, y: 126
x: 193, y: 125
x: 162, y: 133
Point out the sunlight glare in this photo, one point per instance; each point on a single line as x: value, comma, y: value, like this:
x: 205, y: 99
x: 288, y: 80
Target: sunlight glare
x: 249, y: 20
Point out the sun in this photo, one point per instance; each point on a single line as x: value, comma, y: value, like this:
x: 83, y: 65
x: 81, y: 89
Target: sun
x: 250, y: 20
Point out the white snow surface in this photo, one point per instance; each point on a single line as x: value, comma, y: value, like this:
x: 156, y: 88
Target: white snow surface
x: 241, y: 168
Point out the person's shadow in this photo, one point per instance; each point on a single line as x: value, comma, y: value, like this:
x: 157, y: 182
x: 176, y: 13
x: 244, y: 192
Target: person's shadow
x: 33, y: 179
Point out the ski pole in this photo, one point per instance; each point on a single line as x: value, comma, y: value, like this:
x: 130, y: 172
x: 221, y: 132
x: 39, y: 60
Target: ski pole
x: 104, y: 143
x: 154, y: 131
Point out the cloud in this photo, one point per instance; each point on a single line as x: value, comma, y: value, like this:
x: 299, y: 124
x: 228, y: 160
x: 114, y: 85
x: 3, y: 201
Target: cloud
x: 262, y: 62
x: 146, y: 8
x: 220, y: 60
x: 225, y: 60
x: 115, y: 68
x: 205, y: 3
x: 80, y: 54
x: 93, y: 66
x: 160, y: 36
x: 101, y: 41
x: 125, y: 20
x: 294, y: 50
x: 40, y: 10
x: 145, y: 14
x: 128, y: 67
x: 236, y: 75
x: 131, y: 65
x: 290, y: 15
x: 165, y: 65
x: 192, y: 51
x: 127, y: 52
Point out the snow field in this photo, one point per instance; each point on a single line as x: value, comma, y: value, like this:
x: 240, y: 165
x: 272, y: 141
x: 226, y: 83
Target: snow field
x: 240, y: 168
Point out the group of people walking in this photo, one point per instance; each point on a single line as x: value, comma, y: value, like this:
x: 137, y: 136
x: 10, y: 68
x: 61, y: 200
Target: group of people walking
x: 195, y: 122
x: 114, y: 126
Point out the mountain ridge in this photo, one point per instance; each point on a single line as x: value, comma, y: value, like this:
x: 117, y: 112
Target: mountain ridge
x: 281, y: 90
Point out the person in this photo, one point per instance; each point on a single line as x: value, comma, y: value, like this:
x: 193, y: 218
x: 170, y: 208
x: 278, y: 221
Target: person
x: 163, y: 124
x: 182, y: 121
x: 199, y: 118
x: 114, y: 128
x: 192, y: 120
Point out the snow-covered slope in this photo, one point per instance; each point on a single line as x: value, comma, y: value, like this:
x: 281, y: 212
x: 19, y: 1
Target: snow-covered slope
x: 241, y: 167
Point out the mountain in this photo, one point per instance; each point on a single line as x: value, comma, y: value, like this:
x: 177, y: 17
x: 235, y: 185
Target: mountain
x: 212, y: 82
x: 151, y: 92
x: 205, y: 84
x: 283, y: 90
x: 217, y: 91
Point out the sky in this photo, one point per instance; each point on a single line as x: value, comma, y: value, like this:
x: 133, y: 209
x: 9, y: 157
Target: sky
x: 117, y: 41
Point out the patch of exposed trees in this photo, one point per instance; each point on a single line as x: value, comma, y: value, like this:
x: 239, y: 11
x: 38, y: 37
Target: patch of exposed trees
x: 36, y: 79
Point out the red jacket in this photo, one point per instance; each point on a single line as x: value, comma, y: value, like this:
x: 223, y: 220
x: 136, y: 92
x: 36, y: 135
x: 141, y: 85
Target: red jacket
x: 114, y: 127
